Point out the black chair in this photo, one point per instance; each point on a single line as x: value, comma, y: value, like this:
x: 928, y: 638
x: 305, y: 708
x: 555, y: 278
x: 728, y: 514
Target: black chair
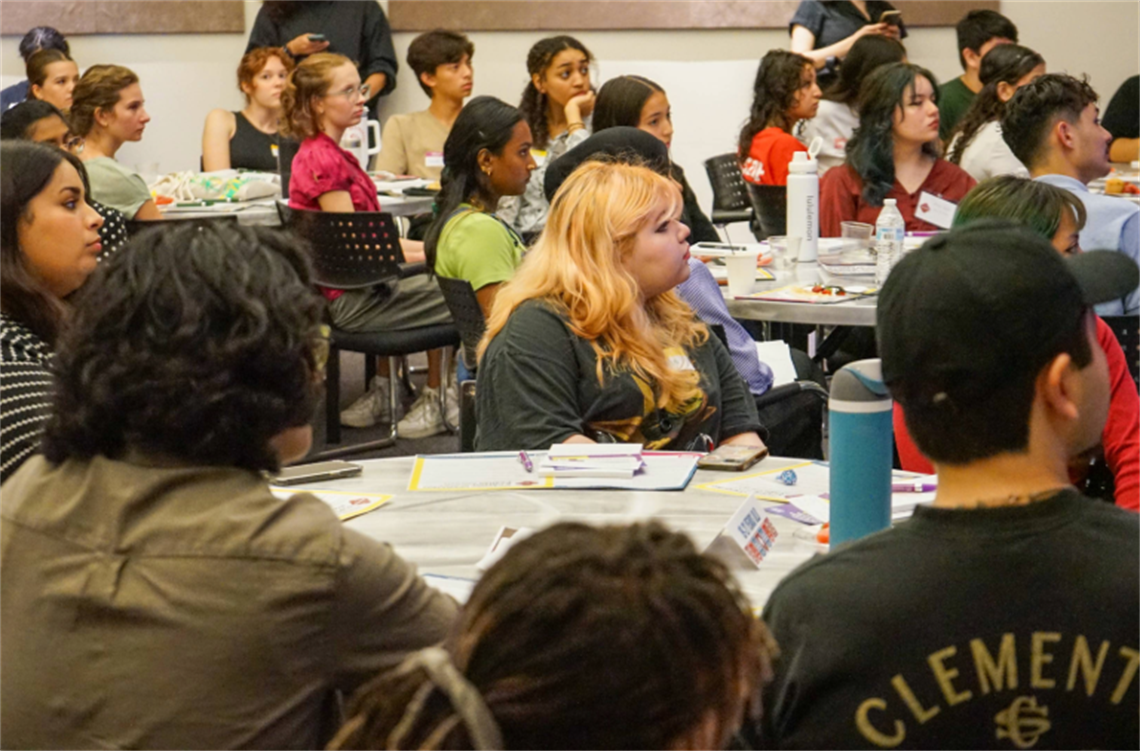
x: 770, y: 207
x: 1127, y: 330
x: 730, y: 199
x: 287, y: 148
x: 468, y: 317
x: 358, y: 251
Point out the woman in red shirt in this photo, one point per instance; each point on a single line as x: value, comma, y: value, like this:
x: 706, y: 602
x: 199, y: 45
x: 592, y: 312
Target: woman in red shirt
x: 785, y: 92
x: 892, y: 154
x: 322, y: 99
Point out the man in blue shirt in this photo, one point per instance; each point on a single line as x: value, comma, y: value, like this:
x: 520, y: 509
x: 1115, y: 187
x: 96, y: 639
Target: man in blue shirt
x: 1053, y: 126
x: 39, y: 38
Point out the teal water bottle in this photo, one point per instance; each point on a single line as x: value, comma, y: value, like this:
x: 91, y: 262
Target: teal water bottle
x: 860, y: 452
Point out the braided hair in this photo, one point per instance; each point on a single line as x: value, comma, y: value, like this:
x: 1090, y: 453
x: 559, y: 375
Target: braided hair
x: 538, y: 60
x: 568, y: 619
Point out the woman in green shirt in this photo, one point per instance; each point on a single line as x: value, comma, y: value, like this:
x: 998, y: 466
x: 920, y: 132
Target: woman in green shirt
x: 487, y: 156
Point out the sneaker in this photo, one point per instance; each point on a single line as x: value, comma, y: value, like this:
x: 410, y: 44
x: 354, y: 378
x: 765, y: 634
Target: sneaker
x: 453, y: 405
x: 424, y: 418
x: 372, y: 407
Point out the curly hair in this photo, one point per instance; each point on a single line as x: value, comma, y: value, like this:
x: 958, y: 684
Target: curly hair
x: 98, y: 89
x: 1006, y: 63
x: 569, y: 619
x: 195, y: 343
x: 253, y: 62
x: 25, y: 170
x: 309, y: 80
x: 778, y: 78
x: 870, y: 151
x: 533, y: 103
x: 1036, y: 107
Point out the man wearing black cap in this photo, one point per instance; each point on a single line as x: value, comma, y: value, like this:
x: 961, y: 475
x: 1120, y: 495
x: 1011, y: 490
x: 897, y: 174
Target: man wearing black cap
x: 1008, y: 614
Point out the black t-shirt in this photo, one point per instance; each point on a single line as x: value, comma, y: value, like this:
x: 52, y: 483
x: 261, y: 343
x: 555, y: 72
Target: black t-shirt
x: 1002, y: 628
x: 538, y: 385
x: 1122, y: 118
x: 833, y: 21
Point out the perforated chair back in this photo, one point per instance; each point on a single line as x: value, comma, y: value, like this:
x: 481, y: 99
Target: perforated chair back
x: 349, y: 251
x: 770, y: 205
x: 287, y: 148
x: 730, y: 199
x: 1127, y: 330
x: 466, y: 313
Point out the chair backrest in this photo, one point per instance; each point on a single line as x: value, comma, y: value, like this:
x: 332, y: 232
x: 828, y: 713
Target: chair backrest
x: 770, y: 206
x: 1127, y: 330
x: 466, y: 313
x: 349, y: 251
x: 728, y: 189
x: 287, y: 148
x: 467, y: 416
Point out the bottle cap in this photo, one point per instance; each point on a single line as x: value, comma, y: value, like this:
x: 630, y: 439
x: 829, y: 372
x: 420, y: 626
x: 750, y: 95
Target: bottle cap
x: 802, y: 163
x: 890, y: 202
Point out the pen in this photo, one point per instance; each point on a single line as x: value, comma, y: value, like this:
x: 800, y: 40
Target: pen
x: 913, y: 487
x: 526, y: 462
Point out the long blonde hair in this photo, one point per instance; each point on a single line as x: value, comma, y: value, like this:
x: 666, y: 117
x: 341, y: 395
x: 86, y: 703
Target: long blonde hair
x: 576, y: 268
x: 310, y: 79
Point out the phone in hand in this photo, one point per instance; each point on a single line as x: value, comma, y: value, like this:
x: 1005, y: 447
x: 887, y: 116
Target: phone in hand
x: 321, y: 37
x: 890, y: 16
x: 303, y: 473
x: 732, y: 458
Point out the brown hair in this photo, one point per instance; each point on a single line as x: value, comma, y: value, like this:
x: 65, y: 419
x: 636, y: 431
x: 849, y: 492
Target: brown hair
x: 254, y: 61
x: 98, y: 89
x: 538, y: 60
x: 569, y: 619
x: 38, y: 64
x: 311, y: 78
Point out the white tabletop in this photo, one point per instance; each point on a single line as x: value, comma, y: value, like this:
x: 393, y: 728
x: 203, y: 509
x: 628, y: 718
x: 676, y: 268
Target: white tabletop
x: 447, y: 533
x: 264, y: 213
x: 858, y: 311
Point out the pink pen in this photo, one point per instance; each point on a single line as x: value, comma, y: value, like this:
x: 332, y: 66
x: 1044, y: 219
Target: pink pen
x: 913, y: 487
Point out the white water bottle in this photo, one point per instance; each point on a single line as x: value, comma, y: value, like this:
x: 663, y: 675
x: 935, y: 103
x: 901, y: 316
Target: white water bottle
x: 890, y: 231
x: 803, y: 204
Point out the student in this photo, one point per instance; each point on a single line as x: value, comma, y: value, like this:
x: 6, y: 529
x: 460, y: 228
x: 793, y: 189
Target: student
x: 1122, y: 120
x: 357, y: 29
x: 191, y: 371
x: 636, y: 102
x: 569, y: 619
x: 1058, y: 216
x: 1008, y: 608
x: 38, y: 38
x: 976, y: 144
x: 412, y: 144
x: 1052, y: 125
x: 48, y: 243
x: 488, y: 157
x: 108, y: 111
x: 794, y: 424
x: 556, y: 103
x: 893, y: 154
x: 52, y: 77
x: 40, y: 122
x: 248, y: 139
x: 784, y: 93
x: 588, y: 342
x: 322, y: 98
x: 838, y: 114
x: 979, y: 31
x: 825, y: 32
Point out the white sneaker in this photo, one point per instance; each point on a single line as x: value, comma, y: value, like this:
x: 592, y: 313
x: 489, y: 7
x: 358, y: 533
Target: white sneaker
x: 372, y: 407
x: 453, y: 405
x: 424, y: 418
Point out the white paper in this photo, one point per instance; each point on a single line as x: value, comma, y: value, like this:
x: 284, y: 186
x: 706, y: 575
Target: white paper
x: 346, y: 505
x: 777, y: 356
x: 504, y: 539
x: 564, y: 450
x: 458, y: 588
x: 751, y: 534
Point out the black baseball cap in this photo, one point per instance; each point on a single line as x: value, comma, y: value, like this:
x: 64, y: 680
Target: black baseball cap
x: 979, y: 306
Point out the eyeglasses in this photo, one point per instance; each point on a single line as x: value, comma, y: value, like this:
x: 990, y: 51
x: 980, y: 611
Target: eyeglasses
x: 363, y: 91
x: 320, y: 348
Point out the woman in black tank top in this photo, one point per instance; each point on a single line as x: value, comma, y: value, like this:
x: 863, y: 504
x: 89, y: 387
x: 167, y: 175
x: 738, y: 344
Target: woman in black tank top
x: 248, y: 139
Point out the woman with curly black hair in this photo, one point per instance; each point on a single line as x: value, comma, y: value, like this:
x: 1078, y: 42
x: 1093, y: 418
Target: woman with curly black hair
x: 156, y: 593
x: 893, y: 154
x: 556, y: 103
x: 784, y: 93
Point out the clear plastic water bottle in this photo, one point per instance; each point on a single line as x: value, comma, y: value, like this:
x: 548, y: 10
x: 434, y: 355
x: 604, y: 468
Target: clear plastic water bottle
x: 890, y: 231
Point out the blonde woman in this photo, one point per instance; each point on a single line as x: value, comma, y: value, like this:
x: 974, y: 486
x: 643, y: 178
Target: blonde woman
x: 589, y: 343
x: 107, y: 110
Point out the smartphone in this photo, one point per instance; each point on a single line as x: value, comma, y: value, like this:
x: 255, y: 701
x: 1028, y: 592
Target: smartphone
x: 887, y: 16
x: 321, y: 37
x: 303, y: 473
x: 732, y: 458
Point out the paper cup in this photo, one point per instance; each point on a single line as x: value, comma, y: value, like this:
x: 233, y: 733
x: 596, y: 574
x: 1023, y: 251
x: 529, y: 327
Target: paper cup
x: 741, y: 273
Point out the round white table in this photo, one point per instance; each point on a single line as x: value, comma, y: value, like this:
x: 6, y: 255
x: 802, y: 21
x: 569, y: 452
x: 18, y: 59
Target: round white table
x: 447, y: 533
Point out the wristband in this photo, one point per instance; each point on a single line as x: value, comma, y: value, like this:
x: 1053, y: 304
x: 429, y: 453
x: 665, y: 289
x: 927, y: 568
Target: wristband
x: 574, y: 126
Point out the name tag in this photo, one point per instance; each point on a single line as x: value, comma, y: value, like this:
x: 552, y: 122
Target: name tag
x: 433, y: 159
x: 539, y: 156
x: 273, y: 149
x: 678, y: 360
x: 937, y: 211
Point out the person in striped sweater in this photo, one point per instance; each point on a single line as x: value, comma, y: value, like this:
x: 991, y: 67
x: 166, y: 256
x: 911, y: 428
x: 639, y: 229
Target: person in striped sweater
x: 49, y: 241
